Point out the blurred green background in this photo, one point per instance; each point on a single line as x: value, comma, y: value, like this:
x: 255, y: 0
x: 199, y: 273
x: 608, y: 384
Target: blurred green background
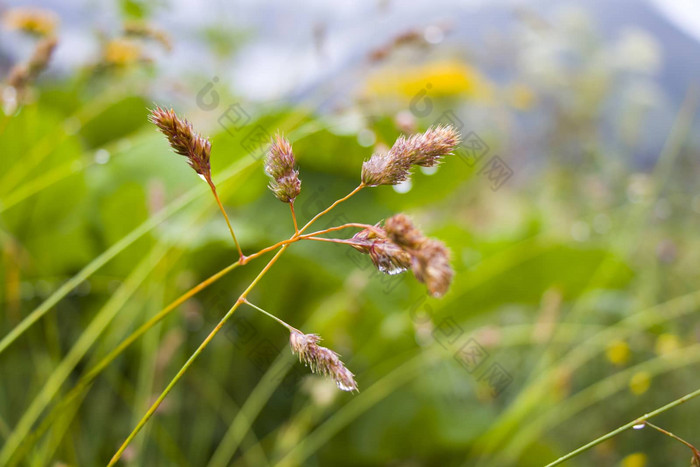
x: 571, y: 210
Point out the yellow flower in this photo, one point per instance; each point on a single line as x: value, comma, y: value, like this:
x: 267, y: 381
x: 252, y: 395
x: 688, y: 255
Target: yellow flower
x: 618, y: 352
x: 32, y: 20
x: 640, y: 382
x: 121, y: 52
x: 441, y: 78
x: 667, y: 343
x: 637, y: 459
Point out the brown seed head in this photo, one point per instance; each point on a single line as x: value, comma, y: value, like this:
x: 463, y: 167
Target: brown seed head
x: 400, y: 246
x: 362, y: 240
x: 385, y: 169
x: 19, y: 77
x: 184, y: 140
x: 424, y: 149
x: 431, y: 265
x: 401, y: 231
x: 427, y: 149
x: 388, y: 257
x: 24, y: 74
x: 279, y: 165
x: 320, y: 359
x: 41, y: 56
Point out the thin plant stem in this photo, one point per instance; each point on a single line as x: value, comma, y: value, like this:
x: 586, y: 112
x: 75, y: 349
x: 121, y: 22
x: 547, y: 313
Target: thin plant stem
x: 625, y: 427
x: 332, y: 240
x: 193, y: 357
x: 266, y: 313
x: 90, y: 375
x: 529, y: 399
x: 228, y: 222
x: 334, y: 229
x: 87, y: 378
x: 241, y: 299
x: 331, y: 207
x: 350, y: 225
x: 294, y: 217
x: 696, y: 453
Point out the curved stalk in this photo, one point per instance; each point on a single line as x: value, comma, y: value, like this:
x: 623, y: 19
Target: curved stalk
x: 625, y: 427
x: 241, y: 299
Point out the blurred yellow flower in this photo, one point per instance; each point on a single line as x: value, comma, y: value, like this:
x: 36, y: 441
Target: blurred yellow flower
x: 441, y: 78
x: 640, y: 382
x: 618, y: 352
x: 637, y: 459
x: 121, y: 52
x: 32, y: 20
x: 667, y: 343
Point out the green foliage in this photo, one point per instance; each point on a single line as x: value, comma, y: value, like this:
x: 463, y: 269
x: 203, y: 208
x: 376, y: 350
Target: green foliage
x: 101, y: 227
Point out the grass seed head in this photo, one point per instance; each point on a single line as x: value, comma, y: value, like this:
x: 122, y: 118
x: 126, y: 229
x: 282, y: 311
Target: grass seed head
x: 184, y: 140
x: 22, y: 75
x: 401, y: 231
x: 427, y: 149
x: 423, y: 149
x: 279, y: 165
x: 320, y: 359
x: 400, y: 246
x: 431, y: 265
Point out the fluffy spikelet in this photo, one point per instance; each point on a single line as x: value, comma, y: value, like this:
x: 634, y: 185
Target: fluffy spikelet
x: 184, y: 140
x: 431, y: 265
x: 400, y: 246
x: 424, y: 149
x: 387, y: 256
x: 279, y: 165
x: 427, y: 149
x: 430, y: 259
x: 385, y: 169
x: 401, y: 231
x: 363, y: 239
x: 320, y: 359
x: 42, y: 54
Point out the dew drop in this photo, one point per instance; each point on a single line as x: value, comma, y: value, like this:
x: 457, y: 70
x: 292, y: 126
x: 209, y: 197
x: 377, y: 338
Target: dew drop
x: 366, y: 138
x: 102, y: 156
x: 344, y: 387
x: 639, y: 426
x: 403, y: 187
x: 390, y: 269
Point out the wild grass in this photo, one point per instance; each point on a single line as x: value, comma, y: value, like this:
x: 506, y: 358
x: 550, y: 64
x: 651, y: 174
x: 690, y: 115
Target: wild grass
x: 85, y: 369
